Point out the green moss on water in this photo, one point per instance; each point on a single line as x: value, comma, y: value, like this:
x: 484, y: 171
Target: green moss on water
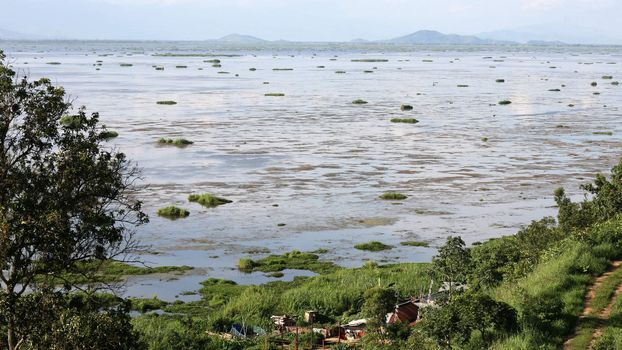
x: 373, y: 246
x: 166, y: 102
x: 415, y: 243
x: 605, y: 133
x: 108, y: 134
x: 406, y: 107
x: 208, y: 200
x: 359, y: 102
x: 173, y: 212
x: 369, y: 60
x: 393, y: 196
x: 484, y: 139
x: 607, y: 77
x: 505, y: 102
x: 274, y: 94
x: 405, y: 120
x: 296, y: 260
x: 175, y: 142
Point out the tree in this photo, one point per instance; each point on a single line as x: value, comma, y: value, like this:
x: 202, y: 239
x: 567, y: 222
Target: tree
x: 452, y: 263
x: 66, y: 200
x: 377, y: 302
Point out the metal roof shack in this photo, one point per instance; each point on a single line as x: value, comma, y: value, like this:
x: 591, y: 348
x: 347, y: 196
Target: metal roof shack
x: 406, y: 312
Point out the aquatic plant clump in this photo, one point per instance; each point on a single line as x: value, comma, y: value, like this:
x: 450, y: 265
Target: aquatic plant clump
x: 415, y: 244
x: 208, y: 200
x: 175, y: 142
x: 274, y: 94
x: 505, y: 102
x: 393, y: 196
x: 373, y: 246
x: 293, y: 260
x: 282, y: 69
x: 173, y: 212
x: 370, y: 60
x: 166, y: 102
x: 405, y: 120
x: 406, y: 107
x: 359, y: 102
x: 125, y: 64
x: 108, y: 134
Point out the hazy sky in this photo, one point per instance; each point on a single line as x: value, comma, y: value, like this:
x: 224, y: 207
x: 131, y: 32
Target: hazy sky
x: 305, y: 20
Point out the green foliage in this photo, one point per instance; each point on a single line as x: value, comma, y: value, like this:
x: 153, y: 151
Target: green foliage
x: 452, y: 263
x: 393, y: 196
x: 143, y: 305
x: 404, y: 120
x: 208, y: 200
x: 292, y: 260
x: 64, y: 199
x: 373, y: 246
x: 176, y: 142
x: 108, y: 134
x: 377, y: 302
x: 173, y: 212
x: 415, y: 243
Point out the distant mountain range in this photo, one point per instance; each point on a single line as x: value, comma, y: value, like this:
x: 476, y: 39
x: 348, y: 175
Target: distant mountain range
x: 421, y: 37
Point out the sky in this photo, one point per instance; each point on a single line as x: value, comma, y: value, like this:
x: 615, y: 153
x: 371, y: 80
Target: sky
x: 310, y: 20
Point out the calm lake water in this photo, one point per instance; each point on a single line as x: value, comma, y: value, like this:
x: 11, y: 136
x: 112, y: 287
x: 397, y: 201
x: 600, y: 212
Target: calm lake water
x: 315, y: 162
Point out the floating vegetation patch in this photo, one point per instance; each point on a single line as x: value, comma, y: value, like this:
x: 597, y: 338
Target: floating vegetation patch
x: 208, y: 200
x: 594, y: 83
x: 340, y: 72
x: 321, y: 67
x: 615, y: 83
x: 370, y: 60
x: 405, y: 120
x: 427, y: 61
x: 125, y: 64
x: 484, y: 139
x: 607, y: 77
x: 181, y: 66
x: 406, y: 107
x: 108, y: 134
x: 53, y: 63
x: 462, y: 86
x: 373, y: 246
x: 274, y: 94
x: 175, y: 142
x: 70, y: 121
x: 166, y: 102
x: 168, y: 54
x: 359, y: 102
x: 293, y: 260
x: 368, y: 71
x: 500, y: 81
x: 554, y: 90
x: 223, y: 72
x: 282, y: 69
x: 216, y: 61
x: 505, y: 102
x: 217, y: 65
x: 415, y: 244
x: 252, y: 69
x: 605, y: 133
x: 173, y: 212
x: 393, y: 196
x: 159, y: 68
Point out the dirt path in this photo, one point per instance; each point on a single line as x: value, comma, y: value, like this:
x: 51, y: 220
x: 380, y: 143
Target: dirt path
x: 587, y: 305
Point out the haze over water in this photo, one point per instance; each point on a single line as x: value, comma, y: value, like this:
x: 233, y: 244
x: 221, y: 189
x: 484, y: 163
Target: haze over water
x: 317, y: 163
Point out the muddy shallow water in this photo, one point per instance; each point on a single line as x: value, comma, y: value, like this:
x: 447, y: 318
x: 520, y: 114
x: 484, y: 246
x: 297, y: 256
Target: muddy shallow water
x: 324, y: 161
